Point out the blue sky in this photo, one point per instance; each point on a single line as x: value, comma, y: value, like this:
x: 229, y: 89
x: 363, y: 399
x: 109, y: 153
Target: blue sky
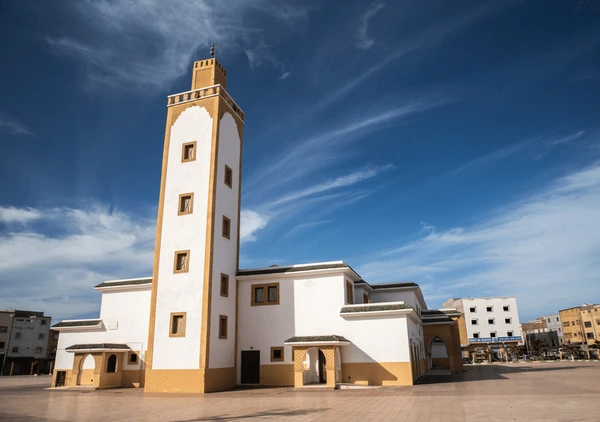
x: 454, y: 144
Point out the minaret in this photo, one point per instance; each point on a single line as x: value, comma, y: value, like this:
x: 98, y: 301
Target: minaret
x: 191, y: 343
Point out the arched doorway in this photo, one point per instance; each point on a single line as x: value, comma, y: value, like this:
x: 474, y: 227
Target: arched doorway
x: 438, y: 353
x: 314, y: 365
x: 86, y: 371
x: 111, y: 363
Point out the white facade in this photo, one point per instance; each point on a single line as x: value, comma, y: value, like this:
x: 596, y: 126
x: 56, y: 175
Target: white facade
x: 28, y: 335
x: 554, y: 323
x: 489, y: 320
x: 124, y: 317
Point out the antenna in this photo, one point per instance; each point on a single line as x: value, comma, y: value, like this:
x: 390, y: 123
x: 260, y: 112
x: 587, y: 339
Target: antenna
x: 212, y: 50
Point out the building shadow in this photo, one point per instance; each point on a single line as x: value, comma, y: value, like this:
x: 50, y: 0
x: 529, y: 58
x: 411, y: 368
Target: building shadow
x: 266, y: 414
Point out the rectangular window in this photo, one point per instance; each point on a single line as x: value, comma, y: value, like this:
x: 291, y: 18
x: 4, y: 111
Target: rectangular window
x: 43, y: 322
x: 492, y: 334
x: 489, y: 308
x: 276, y: 354
x: 3, y: 328
x: 133, y: 357
x: 590, y: 335
x: 473, y: 309
x: 186, y: 204
x: 222, y: 327
x: 566, y: 324
x: 349, y: 293
x: 182, y: 262
x: 265, y: 294
x: 15, y: 350
x: 491, y: 321
x: 17, y: 335
x: 598, y: 322
x: 40, y: 336
x: 507, y: 320
x: 226, y: 227
x: 38, y: 350
x: 1, y: 345
x: 188, y: 152
x: 588, y: 324
x: 177, y: 328
x: 224, y: 285
x: 506, y: 308
x: 475, y: 335
x: 228, y: 176
x: 474, y: 322
x: 366, y: 298
x: 509, y: 334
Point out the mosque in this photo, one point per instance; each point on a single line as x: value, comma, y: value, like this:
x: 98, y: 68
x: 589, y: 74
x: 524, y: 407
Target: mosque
x: 201, y: 324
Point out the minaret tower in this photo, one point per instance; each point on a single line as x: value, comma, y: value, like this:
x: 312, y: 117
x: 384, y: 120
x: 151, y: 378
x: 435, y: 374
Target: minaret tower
x: 191, y: 343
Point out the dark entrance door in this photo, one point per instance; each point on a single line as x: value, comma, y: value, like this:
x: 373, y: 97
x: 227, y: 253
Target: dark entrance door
x: 250, y: 366
x: 322, y: 366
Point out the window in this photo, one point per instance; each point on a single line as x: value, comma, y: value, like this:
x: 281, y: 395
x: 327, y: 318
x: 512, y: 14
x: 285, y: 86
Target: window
x: 349, y: 293
x: 186, y: 203
x: 475, y: 335
x: 572, y: 322
x: 489, y: 308
x: 566, y: 324
x: 182, y: 262
x: 133, y: 357
x: 589, y: 335
x: 224, y: 285
x: 276, y: 354
x: 15, y: 350
x: 226, y: 227
x: 474, y: 322
x: 548, y: 319
x: 43, y: 322
x: 507, y: 320
x: 55, y: 336
x: 222, y: 326
x: 265, y: 294
x: 587, y: 324
x: 177, y: 328
x: 40, y: 336
x: 491, y: 321
x: 366, y: 298
x: 506, y: 308
x: 493, y: 334
x: 188, y: 152
x: 1, y: 345
x: 3, y: 328
x: 473, y: 309
x: 509, y: 334
x: 598, y: 322
x: 17, y: 335
x: 38, y: 350
x: 228, y: 176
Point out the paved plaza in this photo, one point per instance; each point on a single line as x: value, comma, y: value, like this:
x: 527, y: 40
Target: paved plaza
x: 568, y: 391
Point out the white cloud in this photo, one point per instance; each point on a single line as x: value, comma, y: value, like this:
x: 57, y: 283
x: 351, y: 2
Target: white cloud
x: 53, y: 264
x: 363, y: 40
x: 18, y: 215
x: 13, y: 126
x: 543, y: 249
x: 146, y: 44
x: 250, y: 223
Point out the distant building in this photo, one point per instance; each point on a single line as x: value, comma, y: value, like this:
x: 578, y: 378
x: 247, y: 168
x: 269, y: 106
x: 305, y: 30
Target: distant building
x: 581, y: 324
x: 23, y: 342
x: 488, y: 322
x: 547, y: 329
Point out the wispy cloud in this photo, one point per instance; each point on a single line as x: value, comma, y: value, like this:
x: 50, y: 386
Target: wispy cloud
x: 53, y: 263
x: 363, y: 40
x: 146, y: 44
x: 543, y: 249
x: 250, y: 223
x: 13, y: 126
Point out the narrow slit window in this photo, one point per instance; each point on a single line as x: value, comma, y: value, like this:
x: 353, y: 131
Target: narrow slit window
x: 349, y: 293
x: 224, y: 285
x: 222, y: 326
x: 177, y: 325
x: 182, y: 262
x: 188, y: 152
x: 226, y: 227
x: 228, y: 176
x: 186, y: 203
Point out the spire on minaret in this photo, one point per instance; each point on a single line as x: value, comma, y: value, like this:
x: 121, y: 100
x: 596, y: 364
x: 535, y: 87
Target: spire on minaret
x: 212, y: 50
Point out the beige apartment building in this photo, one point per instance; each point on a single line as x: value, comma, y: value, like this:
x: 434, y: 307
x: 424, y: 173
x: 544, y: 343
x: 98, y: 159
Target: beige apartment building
x: 581, y: 324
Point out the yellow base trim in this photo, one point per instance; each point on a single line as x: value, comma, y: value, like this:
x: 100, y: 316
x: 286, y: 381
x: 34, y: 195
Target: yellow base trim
x: 277, y: 375
x: 377, y: 373
x: 189, y: 380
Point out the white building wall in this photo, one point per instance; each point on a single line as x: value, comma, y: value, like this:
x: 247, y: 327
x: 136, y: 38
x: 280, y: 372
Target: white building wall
x: 554, y: 323
x: 125, y: 316
x: 222, y: 351
x: 182, y: 232
x: 25, y: 335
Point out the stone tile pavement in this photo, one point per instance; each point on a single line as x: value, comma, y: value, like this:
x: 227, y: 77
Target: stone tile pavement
x: 553, y: 392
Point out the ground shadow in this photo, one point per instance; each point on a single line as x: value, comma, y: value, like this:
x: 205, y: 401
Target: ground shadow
x: 270, y: 413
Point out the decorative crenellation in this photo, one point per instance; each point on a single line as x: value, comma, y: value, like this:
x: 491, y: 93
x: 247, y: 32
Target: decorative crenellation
x: 210, y: 91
